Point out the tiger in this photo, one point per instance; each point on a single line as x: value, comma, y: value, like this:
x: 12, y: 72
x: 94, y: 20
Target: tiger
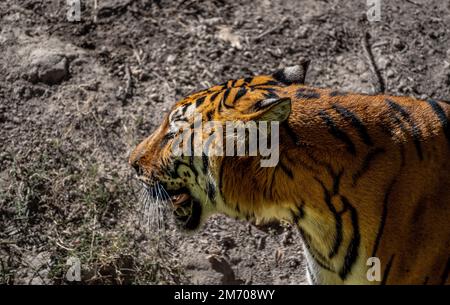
x: 362, y: 177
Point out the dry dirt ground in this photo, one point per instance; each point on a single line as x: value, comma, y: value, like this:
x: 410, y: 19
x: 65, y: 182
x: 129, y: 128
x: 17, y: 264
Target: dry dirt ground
x: 75, y: 97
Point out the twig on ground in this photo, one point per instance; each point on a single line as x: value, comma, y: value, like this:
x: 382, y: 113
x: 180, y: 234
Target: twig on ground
x: 413, y: 2
x: 372, y: 63
x: 271, y: 30
x: 127, y: 92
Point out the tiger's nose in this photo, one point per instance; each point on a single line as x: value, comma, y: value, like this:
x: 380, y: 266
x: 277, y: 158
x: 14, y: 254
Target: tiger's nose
x: 137, y: 167
x: 134, y: 161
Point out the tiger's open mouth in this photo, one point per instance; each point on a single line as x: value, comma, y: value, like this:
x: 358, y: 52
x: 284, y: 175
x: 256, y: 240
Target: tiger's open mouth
x: 186, y: 209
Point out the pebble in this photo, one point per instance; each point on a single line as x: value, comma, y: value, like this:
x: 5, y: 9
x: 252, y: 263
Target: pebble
x: 47, y: 67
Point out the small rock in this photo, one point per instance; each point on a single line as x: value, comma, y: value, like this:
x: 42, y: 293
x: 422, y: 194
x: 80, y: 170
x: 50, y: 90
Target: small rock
x: 47, y: 67
x: 287, y: 238
x: 228, y: 242
x: 212, y: 21
x: 302, y: 32
x: 390, y: 73
x: 144, y: 76
x: 293, y: 262
x: 398, y: 44
x: 221, y: 265
x: 283, y: 276
x: 171, y: 59
x: 92, y: 86
x: 384, y: 62
x: 261, y: 243
x: 235, y: 260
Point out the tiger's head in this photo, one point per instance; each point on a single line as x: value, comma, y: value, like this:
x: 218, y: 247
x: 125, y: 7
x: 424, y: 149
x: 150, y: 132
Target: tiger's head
x: 169, y: 164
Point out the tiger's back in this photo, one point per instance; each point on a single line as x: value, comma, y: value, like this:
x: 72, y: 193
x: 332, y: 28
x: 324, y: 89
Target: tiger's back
x: 376, y: 167
x: 392, y: 167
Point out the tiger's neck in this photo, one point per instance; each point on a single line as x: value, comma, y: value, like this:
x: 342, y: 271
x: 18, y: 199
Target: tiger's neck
x: 307, y: 191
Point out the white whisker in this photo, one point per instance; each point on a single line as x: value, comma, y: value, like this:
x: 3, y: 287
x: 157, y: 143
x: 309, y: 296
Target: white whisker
x: 156, y: 207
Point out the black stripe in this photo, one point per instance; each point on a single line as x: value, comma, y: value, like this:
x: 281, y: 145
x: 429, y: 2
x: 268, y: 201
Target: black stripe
x: 177, y: 163
x: 221, y: 177
x: 179, y: 117
x: 444, y: 275
x: 271, y: 94
x: 338, y: 133
x: 417, y: 135
x: 442, y: 117
x: 307, y: 94
x: 209, y: 115
x: 214, y: 96
x: 268, y: 192
x: 387, y: 270
x: 205, y: 163
x: 326, y: 165
x: 302, y: 164
x: 286, y: 170
x: 323, y: 164
x: 211, y: 192
x: 355, y: 122
x: 168, y: 136
x: 352, y: 250
x: 269, y: 83
x: 337, y: 219
x: 337, y: 93
x: 370, y: 157
x: 248, y: 80
x: 241, y: 92
x: 173, y: 173
x: 238, y: 210
x: 295, y: 217
x: 184, y: 108
x: 317, y: 256
x: 299, y: 214
x: 383, y: 218
x: 224, y: 99
x: 337, y: 182
x: 191, y: 146
x: 199, y: 101
x: 291, y: 133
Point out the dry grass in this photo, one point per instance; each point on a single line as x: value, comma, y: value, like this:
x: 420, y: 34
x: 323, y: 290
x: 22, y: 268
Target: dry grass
x: 63, y: 200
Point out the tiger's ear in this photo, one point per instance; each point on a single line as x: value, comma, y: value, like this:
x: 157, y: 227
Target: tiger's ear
x: 293, y: 75
x: 273, y: 109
